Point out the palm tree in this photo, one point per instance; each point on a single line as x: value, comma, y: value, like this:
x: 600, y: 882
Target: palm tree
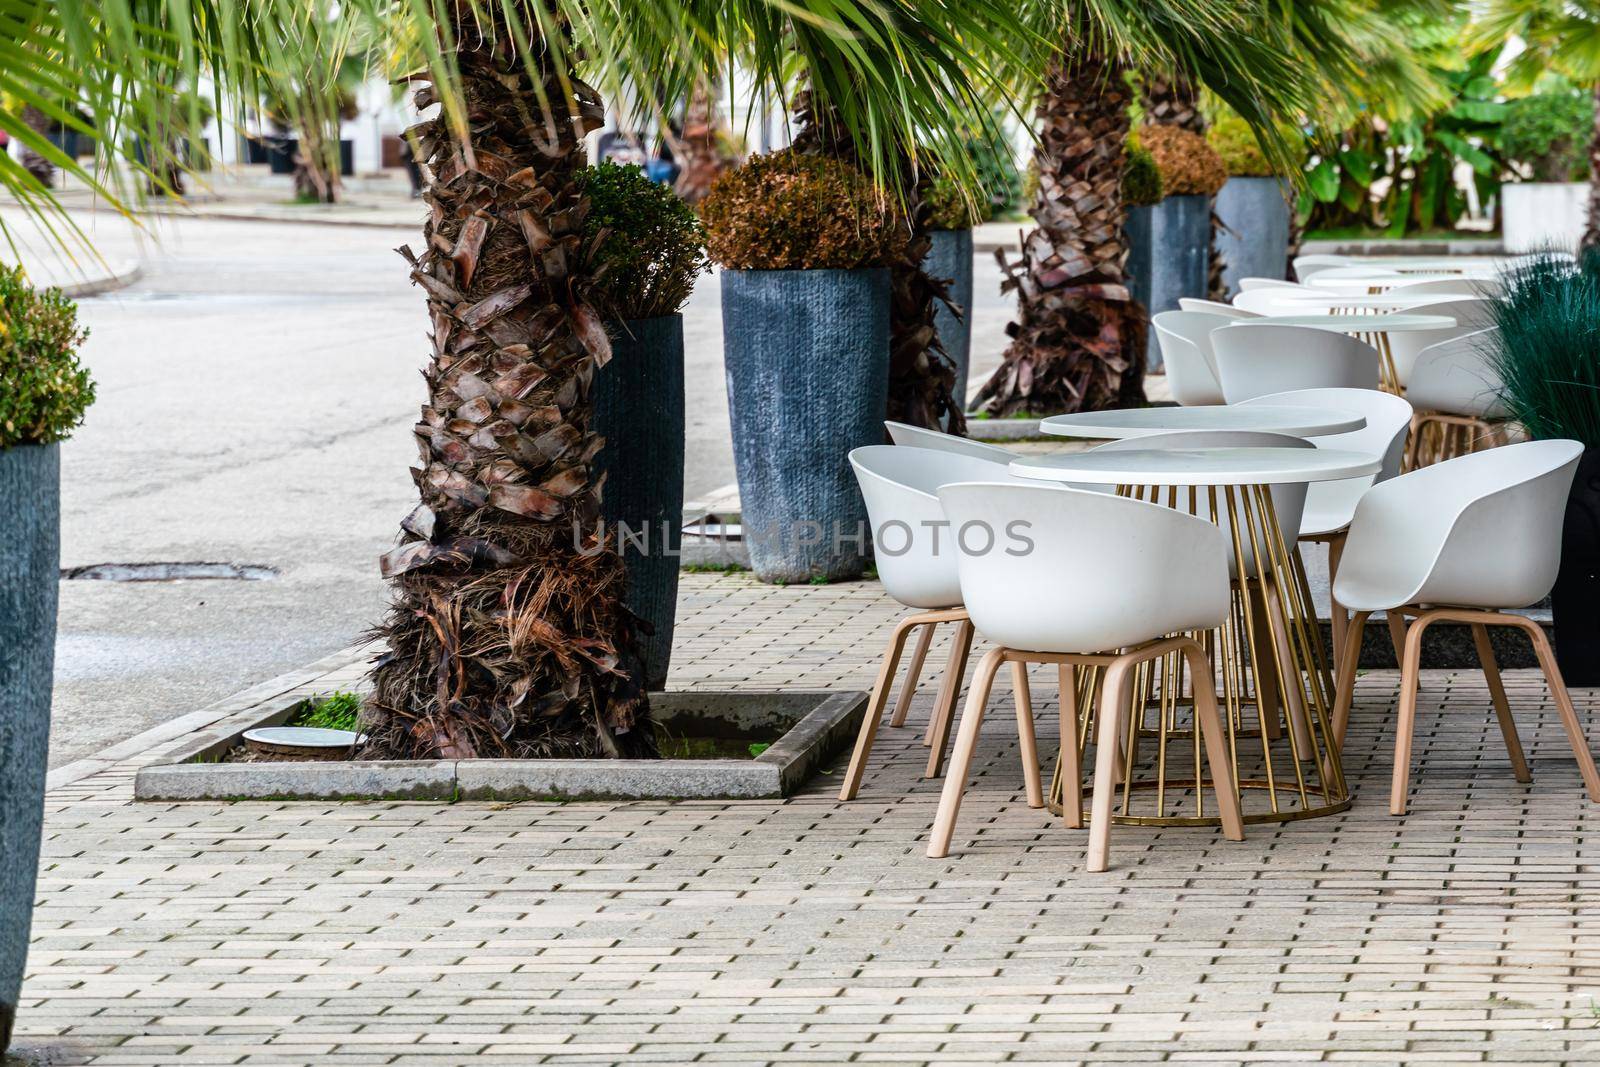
x: 508, y: 634
x: 1079, y: 338
x: 1558, y: 35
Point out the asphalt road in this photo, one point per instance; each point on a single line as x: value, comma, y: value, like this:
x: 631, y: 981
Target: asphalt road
x: 256, y: 390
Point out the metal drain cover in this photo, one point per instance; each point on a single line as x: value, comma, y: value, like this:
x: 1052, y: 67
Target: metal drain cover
x: 169, y: 572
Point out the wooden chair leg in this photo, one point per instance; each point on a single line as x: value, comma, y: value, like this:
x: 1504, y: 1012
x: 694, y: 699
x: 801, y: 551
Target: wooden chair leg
x: 944, y: 823
x: 944, y: 709
x: 1406, y: 722
x: 1113, y: 702
x: 1027, y: 742
x: 1071, y: 755
x: 1209, y: 723
x: 908, y: 688
x: 1502, y: 709
x: 1397, y: 634
x: 1345, y: 683
x: 880, y: 697
x: 1338, y: 618
x: 1569, y: 715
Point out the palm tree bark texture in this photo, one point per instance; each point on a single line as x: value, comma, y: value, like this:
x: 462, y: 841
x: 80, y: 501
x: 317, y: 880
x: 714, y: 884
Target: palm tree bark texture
x: 922, y: 376
x: 699, y: 152
x: 507, y: 635
x: 1174, y: 100
x: 1079, y: 339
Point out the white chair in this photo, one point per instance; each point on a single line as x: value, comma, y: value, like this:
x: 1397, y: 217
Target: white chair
x: 1251, y: 284
x: 1329, y: 506
x: 1457, y: 393
x: 1268, y: 301
x: 1405, y: 345
x: 920, y: 437
x: 1461, y: 541
x: 917, y: 566
x: 1104, y: 581
x: 1194, y: 303
x: 1185, y: 340
x: 1307, y: 266
x: 1359, y: 270
x: 1254, y: 359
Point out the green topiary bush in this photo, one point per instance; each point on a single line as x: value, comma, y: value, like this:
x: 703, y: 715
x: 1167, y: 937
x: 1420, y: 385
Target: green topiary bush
x: 790, y: 211
x: 950, y: 209
x: 1549, y: 132
x: 1547, y: 348
x: 1141, y: 179
x: 1189, y: 166
x: 1236, y: 145
x: 43, y: 390
x: 651, y: 245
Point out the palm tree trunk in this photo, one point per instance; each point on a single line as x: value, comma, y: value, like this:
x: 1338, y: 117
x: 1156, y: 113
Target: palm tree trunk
x: 34, y: 163
x: 922, y: 376
x: 1591, y: 233
x: 508, y: 635
x: 1079, y: 341
x: 314, y: 177
x: 699, y: 152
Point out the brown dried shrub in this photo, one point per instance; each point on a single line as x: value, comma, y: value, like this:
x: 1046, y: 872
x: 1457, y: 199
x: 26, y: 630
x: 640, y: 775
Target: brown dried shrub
x: 793, y: 211
x: 1189, y: 166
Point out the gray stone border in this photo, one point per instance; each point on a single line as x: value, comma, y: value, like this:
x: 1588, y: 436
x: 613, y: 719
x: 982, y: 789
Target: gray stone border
x: 827, y: 727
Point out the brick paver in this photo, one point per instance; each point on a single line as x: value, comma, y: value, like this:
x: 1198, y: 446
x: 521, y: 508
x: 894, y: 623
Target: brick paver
x: 815, y: 932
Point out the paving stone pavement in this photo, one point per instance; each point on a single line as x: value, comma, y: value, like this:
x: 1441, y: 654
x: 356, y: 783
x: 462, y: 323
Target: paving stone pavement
x: 817, y: 932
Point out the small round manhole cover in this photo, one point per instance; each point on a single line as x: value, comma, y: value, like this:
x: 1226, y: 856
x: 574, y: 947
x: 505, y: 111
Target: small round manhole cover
x: 301, y: 738
x: 169, y: 572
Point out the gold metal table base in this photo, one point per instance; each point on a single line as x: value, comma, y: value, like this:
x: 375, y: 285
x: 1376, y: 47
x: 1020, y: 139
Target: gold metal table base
x: 1274, y: 680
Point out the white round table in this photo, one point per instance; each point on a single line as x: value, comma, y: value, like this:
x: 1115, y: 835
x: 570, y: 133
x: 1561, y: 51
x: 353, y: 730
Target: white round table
x: 1278, y: 721
x: 1373, y: 329
x: 1390, y: 301
x: 1123, y: 423
x: 1430, y: 264
x: 1379, y: 283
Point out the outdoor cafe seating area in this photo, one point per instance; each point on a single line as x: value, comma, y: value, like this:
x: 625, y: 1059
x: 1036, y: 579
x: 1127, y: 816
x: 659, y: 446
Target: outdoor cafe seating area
x: 1161, y: 570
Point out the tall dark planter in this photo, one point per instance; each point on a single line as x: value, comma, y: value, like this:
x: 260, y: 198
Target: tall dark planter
x: 638, y: 409
x: 1169, y: 247
x: 1575, y: 601
x: 951, y: 258
x: 280, y: 153
x: 347, y: 158
x: 1254, y: 241
x: 30, y: 524
x: 807, y: 358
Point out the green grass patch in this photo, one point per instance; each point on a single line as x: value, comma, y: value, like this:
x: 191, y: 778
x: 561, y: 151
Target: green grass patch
x: 334, y: 711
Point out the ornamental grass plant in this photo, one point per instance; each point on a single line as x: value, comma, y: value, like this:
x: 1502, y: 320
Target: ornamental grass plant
x: 1547, y: 347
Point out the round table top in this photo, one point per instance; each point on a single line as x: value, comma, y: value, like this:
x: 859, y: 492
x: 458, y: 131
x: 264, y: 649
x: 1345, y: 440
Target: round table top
x: 1429, y: 264
x: 1400, y: 323
x: 1264, y: 418
x: 1365, y: 282
x: 1390, y: 301
x: 1198, y: 466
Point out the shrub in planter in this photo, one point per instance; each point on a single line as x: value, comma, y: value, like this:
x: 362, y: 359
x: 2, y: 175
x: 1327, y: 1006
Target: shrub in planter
x: 952, y: 215
x: 1252, y: 206
x: 1170, y: 241
x: 648, y: 247
x: 805, y: 325
x: 1545, y: 354
x: 44, y: 397
x: 1547, y: 134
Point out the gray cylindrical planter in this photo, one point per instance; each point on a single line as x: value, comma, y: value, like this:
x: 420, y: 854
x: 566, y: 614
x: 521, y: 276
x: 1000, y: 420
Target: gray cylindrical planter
x: 30, y: 524
x: 951, y: 258
x: 638, y: 408
x: 807, y: 358
x: 1169, y: 247
x: 1254, y: 240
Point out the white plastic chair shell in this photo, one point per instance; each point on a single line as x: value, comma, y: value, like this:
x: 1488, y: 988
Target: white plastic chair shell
x: 1478, y: 531
x: 1329, y: 506
x: 920, y: 437
x: 1083, y: 572
x: 1457, y: 377
x: 1252, y: 284
x: 1308, y: 265
x: 1185, y: 340
x: 915, y: 560
x: 1455, y: 286
x: 1268, y: 301
x: 1405, y: 346
x: 1263, y: 358
x: 1194, y: 303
